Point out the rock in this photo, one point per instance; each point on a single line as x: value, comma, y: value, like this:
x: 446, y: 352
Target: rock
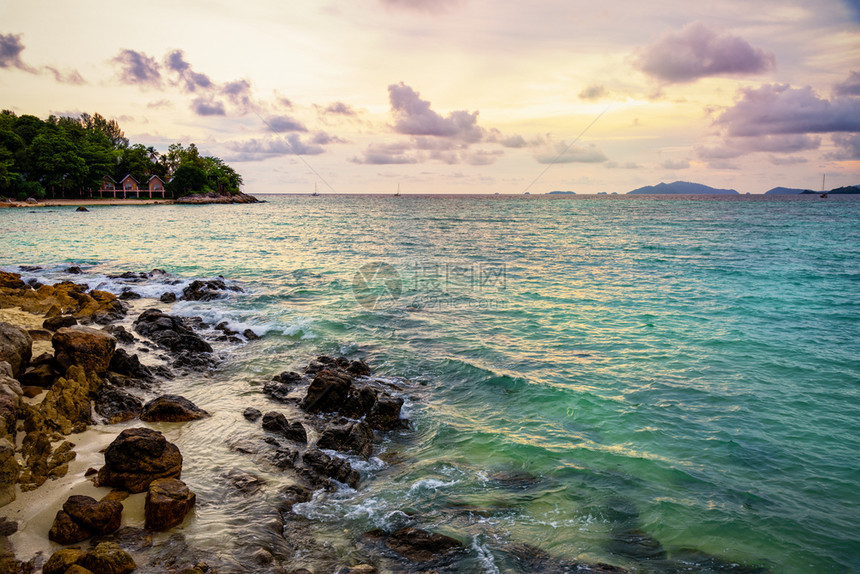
x: 168, y: 297
x: 292, y: 495
x: 16, y: 347
x: 359, y: 403
x: 58, y: 322
x: 244, y: 482
x: 327, y: 391
x: 9, y: 471
x: 137, y: 457
x: 116, y: 405
x: 42, y: 375
x: 252, y: 414
x: 64, y: 530
x: 207, y: 290
x: 278, y: 391
x: 333, y: 467
x: 12, y: 281
x: 167, y: 502
x: 7, y: 527
x: 66, y: 407
x: 39, y: 334
x: 90, y: 348
x: 422, y: 546
x: 385, y: 413
x: 250, y: 335
x: 81, y: 208
x: 74, y: 270
x: 172, y: 409
x: 359, y: 368
x: 83, y: 516
x: 120, y: 334
x: 636, y: 544
x: 170, y: 332
x: 129, y: 365
x: 128, y: 538
x: 78, y: 569
x: 108, y: 558
x: 128, y: 295
x: 363, y: 569
x: 344, y: 435
x: 63, y: 559
x: 277, y: 423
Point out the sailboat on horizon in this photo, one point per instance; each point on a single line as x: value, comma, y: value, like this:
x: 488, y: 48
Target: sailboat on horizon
x: 398, y: 191
x: 315, y: 193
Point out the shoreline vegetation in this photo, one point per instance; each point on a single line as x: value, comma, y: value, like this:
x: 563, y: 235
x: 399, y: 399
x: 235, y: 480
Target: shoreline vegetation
x: 68, y: 362
x: 78, y: 157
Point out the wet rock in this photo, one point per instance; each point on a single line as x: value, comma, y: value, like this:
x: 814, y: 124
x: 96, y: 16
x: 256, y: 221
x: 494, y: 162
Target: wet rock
x: 83, y: 516
x: 421, y: 545
x: 332, y: 467
x: 128, y: 538
x: 252, y: 414
x: 171, y: 408
x: 137, y: 457
x: 344, y: 435
x: 16, y: 347
x: 168, y: 297
x: 284, y: 457
x: 42, y: 375
x: 385, y: 413
x: 359, y: 368
x: 74, y: 270
x: 167, y: 502
x: 514, y: 479
x: 244, y: 482
x: 292, y: 495
x: 64, y: 530
x: 278, y: 390
x: 9, y: 472
x: 12, y: 281
x: 108, y: 558
x: 250, y: 335
x: 63, y: 559
x: 277, y: 423
x: 636, y: 544
x: 58, y: 322
x: 327, y: 392
x: 116, y: 405
x: 170, y: 332
x: 66, y: 407
x: 120, y: 334
x: 129, y: 366
x: 7, y: 527
x: 90, y: 348
x: 128, y: 295
x: 359, y: 403
x: 78, y: 569
x: 207, y: 290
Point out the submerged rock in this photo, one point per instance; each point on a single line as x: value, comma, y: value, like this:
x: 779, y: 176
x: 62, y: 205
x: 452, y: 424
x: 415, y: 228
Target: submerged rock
x: 137, y: 457
x: 168, y: 500
x: 252, y: 414
x: 421, y: 545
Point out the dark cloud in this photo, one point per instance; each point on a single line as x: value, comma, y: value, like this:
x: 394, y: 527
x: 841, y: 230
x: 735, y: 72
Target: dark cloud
x: 280, y: 124
x: 560, y: 153
x: 850, y: 144
x: 675, y: 164
x: 10, y: 52
x: 187, y: 78
x: 850, y: 87
x: 68, y: 77
x: 775, y: 109
x: 698, y: 51
x: 138, y: 68
x: 593, y: 93
x: 207, y: 106
x: 414, y: 117
x: 240, y: 94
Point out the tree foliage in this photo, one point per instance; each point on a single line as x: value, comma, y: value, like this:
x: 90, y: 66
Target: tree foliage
x: 68, y: 157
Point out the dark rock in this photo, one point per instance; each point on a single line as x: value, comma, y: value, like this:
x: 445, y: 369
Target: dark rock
x: 636, y: 544
x: 193, y: 361
x: 116, y: 405
x: 422, y: 546
x: 277, y: 423
x: 74, y: 270
x: 207, y: 290
x: 252, y: 414
x: 34, y: 283
x: 16, y: 347
x: 288, y: 378
x: 90, y: 348
x: 98, y: 517
x: 128, y: 295
x: 120, y: 333
x: 278, y: 391
x: 250, y: 335
x: 292, y: 495
x: 137, y: 457
x: 359, y: 403
x: 167, y: 502
x: 170, y: 332
x: 385, y: 414
x: 63, y: 559
x: 172, y: 409
x: 344, y: 435
x: 108, y: 558
x: 244, y: 482
x: 7, y: 527
x: 284, y: 457
x: 42, y: 376
x: 81, y: 208
x: 44, y: 359
x: 335, y: 467
x: 129, y: 365
x: 39, y: 334
x: 359, y: 368
x: 64, y: 530
x: 168, y: 297
x: 327, y: 391
x: 128, y: 538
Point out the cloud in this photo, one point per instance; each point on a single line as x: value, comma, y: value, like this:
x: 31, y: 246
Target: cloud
x: 138, y: 68
x: 560, y: 153
x: 285, y: 124
x: 207, y: 106
x: 698, y: 51
x: 338, y: 109
x: 414, y: 117
x: 240, y: 95
x: 323, y: 138
x: 593, y: 93
x: 675, y: 164
x: 10, y: 52
x: 386, y: 154
x: 776, y: 109
x: 787, y: 160
x: 257, y: 149
x: 850, y: 87
x: 70, y: 77
x: 850, y: 144
x: 421, y: 5
x: 514, y: 141
x: 158, y: 104
x: 626, y: 165
x: 722, y: 164
x: 482, y: 157
x: 187, y: 78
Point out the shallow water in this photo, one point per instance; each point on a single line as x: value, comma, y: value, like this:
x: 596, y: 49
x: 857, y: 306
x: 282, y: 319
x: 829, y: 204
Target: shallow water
x: 575, y: 368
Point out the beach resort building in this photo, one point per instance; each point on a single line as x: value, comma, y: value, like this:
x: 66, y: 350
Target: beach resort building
x: 129, y: 186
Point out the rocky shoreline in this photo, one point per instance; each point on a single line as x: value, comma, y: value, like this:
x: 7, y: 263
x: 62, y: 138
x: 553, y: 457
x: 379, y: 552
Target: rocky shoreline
x: 195, y: 199
x: 319, y: 422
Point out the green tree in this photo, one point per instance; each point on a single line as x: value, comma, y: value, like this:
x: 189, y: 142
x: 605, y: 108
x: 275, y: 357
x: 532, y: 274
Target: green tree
x: 187, y: 179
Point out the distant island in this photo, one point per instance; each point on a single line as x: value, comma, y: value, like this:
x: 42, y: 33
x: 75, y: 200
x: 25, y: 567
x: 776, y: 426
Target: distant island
x: 561, y: 193
x: 681, y: 188
x: 787, y: 191
x: 77, y: 157
x: 847, y: 190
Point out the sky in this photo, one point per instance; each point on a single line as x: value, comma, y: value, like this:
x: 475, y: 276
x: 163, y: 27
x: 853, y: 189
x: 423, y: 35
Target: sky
x: 459, y: 96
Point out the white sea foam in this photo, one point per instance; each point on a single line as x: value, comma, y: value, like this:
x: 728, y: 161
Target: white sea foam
x: 485, y: 556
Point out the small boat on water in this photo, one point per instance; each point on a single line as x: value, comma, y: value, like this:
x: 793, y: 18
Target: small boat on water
x: 315, y: 193
x: 398, y: 191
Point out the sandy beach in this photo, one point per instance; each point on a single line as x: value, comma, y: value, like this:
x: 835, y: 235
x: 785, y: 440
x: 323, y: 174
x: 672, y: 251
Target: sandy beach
x: 88, y: 202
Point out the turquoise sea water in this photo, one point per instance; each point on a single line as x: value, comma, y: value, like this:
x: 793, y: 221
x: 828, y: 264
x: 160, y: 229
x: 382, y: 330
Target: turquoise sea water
x: 579, y: 367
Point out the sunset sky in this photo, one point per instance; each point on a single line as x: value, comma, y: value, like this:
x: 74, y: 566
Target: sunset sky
x: 459, y: 96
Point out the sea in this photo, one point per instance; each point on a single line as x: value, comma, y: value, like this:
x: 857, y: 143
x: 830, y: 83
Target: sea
x: 664, y: 384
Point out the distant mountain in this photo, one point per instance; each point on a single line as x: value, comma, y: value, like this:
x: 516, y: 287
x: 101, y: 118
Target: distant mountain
x: 561, y: 193
x: 681, y: 188
x: 784, y: 191
x: 847, y: 190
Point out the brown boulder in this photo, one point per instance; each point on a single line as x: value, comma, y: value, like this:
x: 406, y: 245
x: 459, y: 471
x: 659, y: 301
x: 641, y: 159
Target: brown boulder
x: 327, y: 392
x: 58, y: 322
x: 9, y: 471
x: 90, y: 348
x: 16, y: 347
x: 422, y: 546
x: 108, y: 558
x: 277, y: 423
x: 172, y: 409
x: 63, y: 559
x: 66, y: 407
x: 344, y: 435
x: 98, y: 516
x: 64, y: 530
x: 137, y: 457
x: 167, y: 502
